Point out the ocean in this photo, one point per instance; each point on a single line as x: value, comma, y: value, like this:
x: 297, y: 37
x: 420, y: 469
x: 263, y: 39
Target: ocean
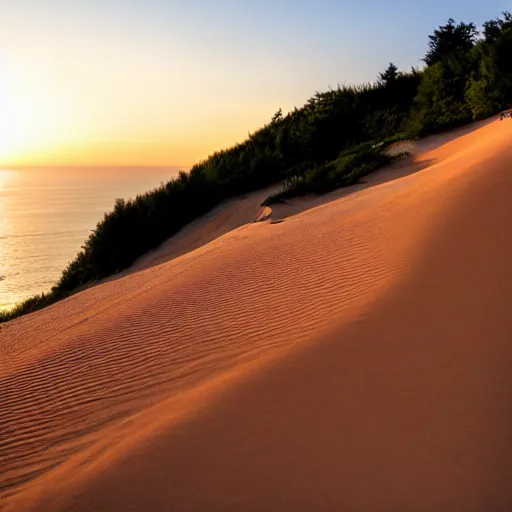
x: 47, y: 214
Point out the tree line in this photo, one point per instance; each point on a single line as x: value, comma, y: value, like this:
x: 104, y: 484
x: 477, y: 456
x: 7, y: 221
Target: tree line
x: 466, y: 76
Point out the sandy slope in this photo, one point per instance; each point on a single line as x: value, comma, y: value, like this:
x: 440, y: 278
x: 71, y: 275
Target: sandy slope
x: 226, y: 217
x: 243, y: 210
x: 353, y: 357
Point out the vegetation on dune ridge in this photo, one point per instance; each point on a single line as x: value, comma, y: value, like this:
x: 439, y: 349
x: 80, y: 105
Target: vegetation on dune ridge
x: 346, y: 170
x: 333, y: 140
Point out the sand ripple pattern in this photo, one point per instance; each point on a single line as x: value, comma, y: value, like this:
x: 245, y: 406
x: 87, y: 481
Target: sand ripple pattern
x: 180, y: 323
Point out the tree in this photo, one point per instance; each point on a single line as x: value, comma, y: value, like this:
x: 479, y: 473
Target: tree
x: 480, y: 98
x: 482, y: 92
x: 389, y: 76
x: 450, y: 39
x: 502, y: 49
x: 278, y: 116
x: 441, y: 102
x: 494, y: 28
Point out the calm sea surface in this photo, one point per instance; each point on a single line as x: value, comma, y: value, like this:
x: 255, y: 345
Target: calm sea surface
x: 46, y: 215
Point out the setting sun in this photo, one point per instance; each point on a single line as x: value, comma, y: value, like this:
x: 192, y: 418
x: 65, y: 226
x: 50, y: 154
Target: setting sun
x: 29, y: 119
x: 9, y: 135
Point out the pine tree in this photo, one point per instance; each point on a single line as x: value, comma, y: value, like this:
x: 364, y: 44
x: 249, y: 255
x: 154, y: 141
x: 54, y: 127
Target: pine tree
x: 494, y: 28
x: 450, y: 39
x: 390, y: 75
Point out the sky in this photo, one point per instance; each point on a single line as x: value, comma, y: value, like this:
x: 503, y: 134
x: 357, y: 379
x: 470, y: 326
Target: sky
x: 167, y: 82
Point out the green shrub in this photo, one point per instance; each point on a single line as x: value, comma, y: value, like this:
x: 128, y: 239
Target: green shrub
x: 347, y: 169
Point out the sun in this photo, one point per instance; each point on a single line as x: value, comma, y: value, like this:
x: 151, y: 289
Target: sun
x: 25, y: 123
x: 11, y: 138
x: 34, y: 126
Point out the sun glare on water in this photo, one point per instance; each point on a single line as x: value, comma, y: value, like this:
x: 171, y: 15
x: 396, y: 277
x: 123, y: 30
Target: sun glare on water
x: 6, y: 177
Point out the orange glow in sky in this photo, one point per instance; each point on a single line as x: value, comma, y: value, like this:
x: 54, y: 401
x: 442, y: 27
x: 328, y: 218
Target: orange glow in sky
x: 75, y: 92
x: 167, y: 82
x: 82, y: 112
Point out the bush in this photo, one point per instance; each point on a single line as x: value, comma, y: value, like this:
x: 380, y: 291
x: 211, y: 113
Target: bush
x: 29, y: 306
x: 347, y: 169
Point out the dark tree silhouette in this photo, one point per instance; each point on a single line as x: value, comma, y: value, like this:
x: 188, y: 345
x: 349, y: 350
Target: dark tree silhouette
x: 278, y: 116
x: 390, y: 75
x: 494, y: 28
x: 450, y: 39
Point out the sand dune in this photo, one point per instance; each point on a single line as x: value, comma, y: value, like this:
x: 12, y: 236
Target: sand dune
x: 352, y: 357
x: 226, y: 217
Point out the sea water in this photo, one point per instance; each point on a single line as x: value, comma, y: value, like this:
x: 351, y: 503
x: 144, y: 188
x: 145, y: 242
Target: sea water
x: 47, y: 214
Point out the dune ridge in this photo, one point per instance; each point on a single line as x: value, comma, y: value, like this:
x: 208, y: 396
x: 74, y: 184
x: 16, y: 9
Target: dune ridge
x: 350, y: 357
